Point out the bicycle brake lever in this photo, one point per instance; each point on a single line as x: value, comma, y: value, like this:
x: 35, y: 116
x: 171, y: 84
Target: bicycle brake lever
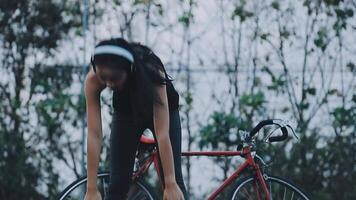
x: 286, y: 123
x: 281, y: 123
x: 269, y: 134
x: 294, y: 133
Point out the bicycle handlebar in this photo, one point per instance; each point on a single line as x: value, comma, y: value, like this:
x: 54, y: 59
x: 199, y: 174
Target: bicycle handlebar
x: 280, y: 138
x: 260, y: 125
x: 270, y: 122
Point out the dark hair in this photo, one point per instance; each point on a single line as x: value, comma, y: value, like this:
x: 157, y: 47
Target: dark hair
x: 112, y: 61
x: 142, y: 80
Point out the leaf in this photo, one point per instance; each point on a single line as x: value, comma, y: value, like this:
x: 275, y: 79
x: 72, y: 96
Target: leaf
x: 304, y: 105
x: 285, y: 34
x: 285, y: 109
x: 333, y: 92
x: 257, y: 81
x: 117, y: 2
x: 136, y: 2
x: 160, y: 9
x: 354, y: 98
x: 252, y: 100
x: 349, y: 12
x: 275, y: 5
x: 78, y: 32
x: 264, y: 36
x: 241, y: 13
x: 321, y: 39
x: 306, y: 3
x: 185, y: 19
x: 311, y: 91
x: 351, y: 66
x: 319, y: 42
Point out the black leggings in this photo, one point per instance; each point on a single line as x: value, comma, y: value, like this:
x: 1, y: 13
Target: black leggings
x: 124, y: 141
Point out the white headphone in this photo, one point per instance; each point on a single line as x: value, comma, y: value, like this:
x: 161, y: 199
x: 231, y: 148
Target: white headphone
x: 113, y: 49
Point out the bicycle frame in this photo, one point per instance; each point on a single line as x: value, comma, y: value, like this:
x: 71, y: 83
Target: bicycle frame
x: 245, y: 152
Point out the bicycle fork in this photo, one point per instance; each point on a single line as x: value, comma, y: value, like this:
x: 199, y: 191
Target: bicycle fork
x: 260, y: 178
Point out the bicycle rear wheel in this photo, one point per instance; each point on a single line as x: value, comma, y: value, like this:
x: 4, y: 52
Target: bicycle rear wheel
x: 139, y: 190
x: 249, y: 188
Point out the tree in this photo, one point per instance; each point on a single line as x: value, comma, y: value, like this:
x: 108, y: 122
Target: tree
x: 33, y: 103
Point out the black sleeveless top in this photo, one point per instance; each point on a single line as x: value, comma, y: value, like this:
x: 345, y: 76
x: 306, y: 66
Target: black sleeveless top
x: 122, y: 103
x: 121, y: 100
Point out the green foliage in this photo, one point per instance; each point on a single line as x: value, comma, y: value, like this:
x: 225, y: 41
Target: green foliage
x: 139, y: 2
x: 252, y: 103
x: 186, y: 18
x: 310, y: 91
x: 332, y: 2
x: 275, y: 5
x: 321, y: 41
x: 31, y: 128
x: 241, y: 12
x: 351, y: 67
x: 345, y: 118
x: 277, y: 82
x: 222, y: 131
x: 188, y: 99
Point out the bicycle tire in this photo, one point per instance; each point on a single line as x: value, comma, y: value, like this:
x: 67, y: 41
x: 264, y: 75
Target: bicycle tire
x: 76, y: 190
x: 242, y: 189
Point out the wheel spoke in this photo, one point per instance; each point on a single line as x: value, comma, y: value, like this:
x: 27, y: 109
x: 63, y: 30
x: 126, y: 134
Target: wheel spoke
x: 270, y: 191
x: 281, y: 189
x: 246, y: 194
x: 138, y: 190
x: 255, y: 187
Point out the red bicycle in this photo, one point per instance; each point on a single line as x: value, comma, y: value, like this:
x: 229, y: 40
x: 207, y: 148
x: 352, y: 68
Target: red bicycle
x: 256, y: 185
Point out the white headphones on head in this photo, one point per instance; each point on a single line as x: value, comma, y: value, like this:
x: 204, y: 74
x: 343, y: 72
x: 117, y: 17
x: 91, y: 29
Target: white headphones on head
x: 115, y: 50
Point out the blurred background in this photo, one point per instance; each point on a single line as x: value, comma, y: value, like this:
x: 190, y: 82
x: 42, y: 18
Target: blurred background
x: 234, y: 63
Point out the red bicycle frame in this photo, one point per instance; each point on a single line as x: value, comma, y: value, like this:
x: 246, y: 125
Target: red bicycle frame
x: 245, y: 152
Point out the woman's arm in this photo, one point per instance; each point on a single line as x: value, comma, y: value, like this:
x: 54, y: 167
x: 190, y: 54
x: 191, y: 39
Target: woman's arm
x: 161, y: 126
x: 92, y: 91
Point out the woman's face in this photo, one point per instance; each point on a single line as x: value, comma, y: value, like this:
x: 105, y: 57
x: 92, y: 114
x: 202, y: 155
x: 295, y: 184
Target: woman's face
x: 114, y: 78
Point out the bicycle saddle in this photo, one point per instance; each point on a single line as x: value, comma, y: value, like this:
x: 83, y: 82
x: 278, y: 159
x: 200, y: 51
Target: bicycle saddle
x: 147, y: 137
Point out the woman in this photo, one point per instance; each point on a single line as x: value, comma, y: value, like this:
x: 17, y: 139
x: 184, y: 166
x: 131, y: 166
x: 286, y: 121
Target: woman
x: 143, y: 97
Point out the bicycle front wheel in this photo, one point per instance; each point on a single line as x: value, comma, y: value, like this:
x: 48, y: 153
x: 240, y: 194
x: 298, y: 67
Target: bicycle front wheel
x: 249, y: 188
x: 139, y: 190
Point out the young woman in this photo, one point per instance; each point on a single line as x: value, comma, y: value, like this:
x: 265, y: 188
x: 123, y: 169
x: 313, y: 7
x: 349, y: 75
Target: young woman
x: 143, y: 97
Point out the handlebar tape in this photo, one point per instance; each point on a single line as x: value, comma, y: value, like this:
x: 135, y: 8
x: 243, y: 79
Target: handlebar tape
x: 260, y: 125
x: 281, y: 137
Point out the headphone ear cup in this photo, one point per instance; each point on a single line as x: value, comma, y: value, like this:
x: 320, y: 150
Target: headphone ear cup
x: 92, y: 63
x: 133, y: 68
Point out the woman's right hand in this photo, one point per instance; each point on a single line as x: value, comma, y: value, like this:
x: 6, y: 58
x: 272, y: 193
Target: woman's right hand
x: 92, y: 195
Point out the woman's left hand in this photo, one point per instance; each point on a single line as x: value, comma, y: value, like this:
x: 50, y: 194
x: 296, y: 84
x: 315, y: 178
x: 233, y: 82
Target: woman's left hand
x: 172, y: 192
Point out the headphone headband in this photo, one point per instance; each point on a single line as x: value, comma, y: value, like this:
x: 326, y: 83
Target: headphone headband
x: 116, y: 50
x: 113, y: 49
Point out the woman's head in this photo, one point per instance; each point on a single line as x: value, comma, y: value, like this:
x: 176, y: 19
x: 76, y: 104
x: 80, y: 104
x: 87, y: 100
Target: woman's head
x: 136, y: 63
x: 113, y: 62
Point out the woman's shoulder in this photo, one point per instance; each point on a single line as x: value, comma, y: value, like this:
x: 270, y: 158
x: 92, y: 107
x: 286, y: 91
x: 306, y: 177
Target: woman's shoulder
x: 93, y: 83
